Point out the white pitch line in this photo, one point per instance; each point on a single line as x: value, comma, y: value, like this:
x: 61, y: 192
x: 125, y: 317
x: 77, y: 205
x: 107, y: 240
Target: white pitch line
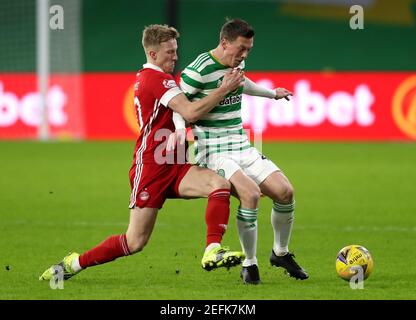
x: 125, y: 223
x: 358, y: 228
x: 69, y: 224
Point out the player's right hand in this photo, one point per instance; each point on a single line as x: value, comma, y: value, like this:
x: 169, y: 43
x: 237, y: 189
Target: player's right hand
x: 176, y: 138
x: 233, y: 79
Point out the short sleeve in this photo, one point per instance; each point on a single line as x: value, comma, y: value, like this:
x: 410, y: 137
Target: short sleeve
x: 165, y: 88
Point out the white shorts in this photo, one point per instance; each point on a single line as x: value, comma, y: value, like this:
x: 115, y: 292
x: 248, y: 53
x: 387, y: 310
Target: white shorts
x: 250, y: 161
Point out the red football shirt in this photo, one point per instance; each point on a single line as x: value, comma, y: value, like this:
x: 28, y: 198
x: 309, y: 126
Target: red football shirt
x: 153, y: 90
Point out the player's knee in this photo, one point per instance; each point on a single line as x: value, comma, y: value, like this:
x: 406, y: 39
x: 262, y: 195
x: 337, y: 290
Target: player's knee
x: 137, y: 244
x: 220, y: 183
x: 287, y: 195
x: 249, y: 198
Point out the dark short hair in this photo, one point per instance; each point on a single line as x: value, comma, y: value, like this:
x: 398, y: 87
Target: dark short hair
x: 235, y: 28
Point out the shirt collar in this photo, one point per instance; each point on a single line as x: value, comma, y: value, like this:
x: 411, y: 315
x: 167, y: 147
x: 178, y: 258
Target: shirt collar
x: 152, y: 66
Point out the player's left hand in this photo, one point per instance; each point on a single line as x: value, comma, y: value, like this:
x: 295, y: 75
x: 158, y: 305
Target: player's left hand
x: 282, y: 93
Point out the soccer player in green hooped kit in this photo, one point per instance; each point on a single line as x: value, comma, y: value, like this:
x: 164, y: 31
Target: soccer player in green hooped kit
x: 221, y: 144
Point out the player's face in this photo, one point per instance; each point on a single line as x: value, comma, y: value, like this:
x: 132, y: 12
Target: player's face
x: 166, y: 56
x: 237, y: 51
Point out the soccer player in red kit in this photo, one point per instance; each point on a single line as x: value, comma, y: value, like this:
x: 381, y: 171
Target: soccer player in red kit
x: 153, y: 179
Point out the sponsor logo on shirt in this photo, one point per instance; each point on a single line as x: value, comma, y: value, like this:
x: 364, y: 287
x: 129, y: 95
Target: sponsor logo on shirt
x: 168, y: 84
x: 231, y: 100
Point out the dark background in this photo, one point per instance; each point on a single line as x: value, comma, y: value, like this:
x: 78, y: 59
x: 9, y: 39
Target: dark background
x: 290, y: 35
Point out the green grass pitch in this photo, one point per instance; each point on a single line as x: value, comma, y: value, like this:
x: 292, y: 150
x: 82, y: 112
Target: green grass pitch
x: 61, y: 197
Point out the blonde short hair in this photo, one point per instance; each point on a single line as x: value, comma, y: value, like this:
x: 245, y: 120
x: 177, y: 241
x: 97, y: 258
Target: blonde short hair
x: 155, y: 34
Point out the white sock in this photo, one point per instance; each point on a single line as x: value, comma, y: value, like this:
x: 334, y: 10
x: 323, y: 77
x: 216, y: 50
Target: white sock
x: 247, y: 231
x: 282, y: 217
x: 75, y: 265
x: 212, y: 246
x: 249, y: 262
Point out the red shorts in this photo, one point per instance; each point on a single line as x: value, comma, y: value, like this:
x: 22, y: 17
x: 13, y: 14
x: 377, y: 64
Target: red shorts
x: 151, y: 184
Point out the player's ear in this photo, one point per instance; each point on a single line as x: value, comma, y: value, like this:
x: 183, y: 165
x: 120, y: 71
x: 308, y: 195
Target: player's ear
x: 152, y: 54
x: 223, y: 43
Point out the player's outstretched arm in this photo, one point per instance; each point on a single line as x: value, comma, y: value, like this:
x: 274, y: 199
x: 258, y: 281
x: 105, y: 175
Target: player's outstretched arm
x: 253, y: 89
x: 192, y: 111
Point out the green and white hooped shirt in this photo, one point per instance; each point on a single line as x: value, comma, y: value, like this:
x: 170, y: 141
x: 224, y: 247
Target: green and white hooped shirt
x: 220, y: 130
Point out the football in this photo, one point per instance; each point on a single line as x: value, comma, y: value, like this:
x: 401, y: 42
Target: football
x: 350, y: 258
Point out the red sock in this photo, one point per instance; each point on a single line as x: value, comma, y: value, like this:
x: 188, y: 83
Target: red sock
x: 217, y: 214
x: 108, y: 250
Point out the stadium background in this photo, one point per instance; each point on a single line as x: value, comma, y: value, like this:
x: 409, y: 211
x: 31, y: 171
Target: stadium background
x: 367, y: 76
x: 353, y: 168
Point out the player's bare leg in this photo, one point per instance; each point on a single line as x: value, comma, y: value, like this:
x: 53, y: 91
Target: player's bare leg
x: 277, y: 187
x: 249, y: 194
x: 142, y: 222
x: 202, y: 182
x: 138, y: 233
